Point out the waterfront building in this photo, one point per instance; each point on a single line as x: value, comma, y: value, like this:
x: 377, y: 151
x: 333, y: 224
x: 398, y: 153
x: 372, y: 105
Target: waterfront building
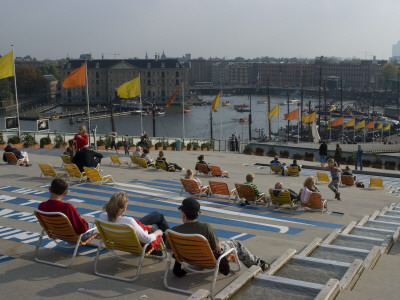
x: 200, y: 71
x: 396, y: 51
x: 286, y: 74
x: 159, y: 79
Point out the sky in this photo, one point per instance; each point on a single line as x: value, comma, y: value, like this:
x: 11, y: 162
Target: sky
x: 56, y: 29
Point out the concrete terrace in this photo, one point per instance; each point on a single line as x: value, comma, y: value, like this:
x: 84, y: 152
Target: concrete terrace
x: 268, y: 232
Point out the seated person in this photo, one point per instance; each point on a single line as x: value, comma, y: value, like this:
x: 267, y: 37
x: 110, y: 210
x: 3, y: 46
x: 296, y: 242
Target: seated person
x: 116, y: 207
x: 249, y: 181
x: 138, y: 151
x: 348, y: 172
x: 294, y: 164
x: 87, y: 158
x: 275, y: 161
x: 18, y: 154
x: 146, y: 156
x: 202, y: 162
x: 161, y: 157
x: 190, y: 210
x: 309, y: 183
x: 58, y: 189
x: 278, y: 189
x: 71, y: 150
x: 189, y: 175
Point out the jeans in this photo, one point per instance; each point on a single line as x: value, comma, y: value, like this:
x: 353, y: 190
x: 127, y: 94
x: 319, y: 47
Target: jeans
x: 156, y: 220
x: 245, y: 256
x: 126, y: 149
x: 359, y: 162
x: 322, y: 158
x: 89, y: 234
x: 334, y: 185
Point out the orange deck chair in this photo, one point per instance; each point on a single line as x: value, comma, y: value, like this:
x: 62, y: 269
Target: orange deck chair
x: 192, y: 187
x: 246, y: 192
x: 202, y: 169
x: 315, y: 202
x: 220, y: 189
x: 347, y: 180
x: 216, y: 171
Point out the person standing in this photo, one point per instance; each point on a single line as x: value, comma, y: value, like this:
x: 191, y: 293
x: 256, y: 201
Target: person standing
x: 143, y: 140
x: 113, y: 136
x: 81, y: 138
x: 323, y: 152
x: 126, y: 144
x: 338, y: 154
x: 359, y: 156
x: 334, y: 184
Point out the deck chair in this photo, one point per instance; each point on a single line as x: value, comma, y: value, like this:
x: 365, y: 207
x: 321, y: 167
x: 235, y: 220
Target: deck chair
x: 12, y: 159
x: 220, y: 189
x: 323, y: 177
x: 191, y: 186
x: 246, y: 192
x: 160, y: 164
x: 376, y: 183
x: 276, y: 168
x: 315, y: 202
x: 282, y: 199
x: 293, y: 171
x: 216, y: 171
x: 193, y: 250
x: 57, y: 226
x: 94, y: 175
x: 66, y: 159
x: 133, y: 159
x: 141, y: 162
x: 73, y: 171
x: 202, y: 169
x: 48, y: 171
x: 347, y: 180
x: 117, y: 162
x: 122, y: 237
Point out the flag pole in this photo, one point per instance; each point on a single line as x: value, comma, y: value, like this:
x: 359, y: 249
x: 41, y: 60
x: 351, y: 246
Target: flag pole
x: 141, y: 107
x: 16, y: 94
x: 382, y: 134
x: 298, y: 131
x: 87, y: 99
x: 354, y: 130
x: 183, y: 110
x: 220, y: 116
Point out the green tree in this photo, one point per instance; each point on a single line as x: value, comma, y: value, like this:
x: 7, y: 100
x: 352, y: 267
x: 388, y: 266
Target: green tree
x: 389, y: 71
x: 29, y: 80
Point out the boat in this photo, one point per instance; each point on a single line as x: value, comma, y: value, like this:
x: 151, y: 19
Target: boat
x: 226, y: 103
x: 186, y: 110
x: 243, y: 120
x: 243, y: 110
x: 292, y: 102
x: 54, y: 118
x: 241, y: 106
x: 226, y: 95
x: 262, y: 101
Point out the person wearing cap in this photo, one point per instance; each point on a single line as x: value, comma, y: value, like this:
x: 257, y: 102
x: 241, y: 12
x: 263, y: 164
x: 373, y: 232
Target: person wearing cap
x: 190, y: 210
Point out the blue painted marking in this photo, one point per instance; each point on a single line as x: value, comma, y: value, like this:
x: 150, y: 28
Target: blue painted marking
x: 176, y: 182
x: 165, y: 187
x: 4, y: 258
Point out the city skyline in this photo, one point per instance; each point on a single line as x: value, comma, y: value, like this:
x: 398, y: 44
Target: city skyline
x: 255, y: 28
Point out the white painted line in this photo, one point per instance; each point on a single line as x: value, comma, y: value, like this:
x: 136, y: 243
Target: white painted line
x: 238, y: 236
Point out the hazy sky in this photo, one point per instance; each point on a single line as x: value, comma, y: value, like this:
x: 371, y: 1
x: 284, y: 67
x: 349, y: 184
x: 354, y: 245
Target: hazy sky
x: 249, y: 28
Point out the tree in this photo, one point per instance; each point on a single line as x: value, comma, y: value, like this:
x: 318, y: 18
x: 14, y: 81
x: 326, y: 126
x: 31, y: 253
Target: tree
x: 29, y: 80
x: 389, y: 71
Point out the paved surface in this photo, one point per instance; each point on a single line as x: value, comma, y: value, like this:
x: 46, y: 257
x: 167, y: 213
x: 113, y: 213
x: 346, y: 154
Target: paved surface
x: 268, y: 232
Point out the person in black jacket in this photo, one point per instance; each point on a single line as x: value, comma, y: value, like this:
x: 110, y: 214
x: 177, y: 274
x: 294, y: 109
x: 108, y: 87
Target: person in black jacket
x: 323, y: 152
x: 87, y: 158
x: 18, y: 154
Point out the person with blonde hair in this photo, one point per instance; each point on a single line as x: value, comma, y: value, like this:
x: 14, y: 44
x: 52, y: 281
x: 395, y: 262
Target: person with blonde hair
x: 81, y: 138
x: 190, y: 175
x: 335, y: 170
x: 309, y: 183
x: 116, y: 207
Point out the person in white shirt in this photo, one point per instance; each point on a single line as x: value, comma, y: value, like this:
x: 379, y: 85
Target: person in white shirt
x: 115, y: 209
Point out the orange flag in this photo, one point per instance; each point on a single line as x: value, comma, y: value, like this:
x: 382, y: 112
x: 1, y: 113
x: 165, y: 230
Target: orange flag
x: 370, y: 125
x: 173, y: 97
x: 293, y: 115
x: 337, y: 122
x: 75, y: 78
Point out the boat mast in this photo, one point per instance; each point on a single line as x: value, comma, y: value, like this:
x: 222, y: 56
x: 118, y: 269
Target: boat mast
x: 269, y: 109
x: 211, y: 124
x: 87, y: 99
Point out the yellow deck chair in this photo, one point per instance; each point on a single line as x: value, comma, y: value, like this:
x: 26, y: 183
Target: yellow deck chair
x: 133, y: 159
x: 282, y: 199
x: 94, y: 175
x: 376, y: 183
x: 66, y: 159
x: 193, y: 250
x: 245, y: 192
x: 73, y: 171
x: 347, y: 180
x: 276, y: 168
x: 122, y: 237
x: 293, y: 171
x: 216, y: 171
x: 117, y: 162
x: 160, y: 164
x: 220, y: 189
x: 12, y: 159
x: 323, y: 177
x: 48, y: 171
x: 58, y: 227
x: 202, y: 169
x: 315, y: 202
x: 191, y: 186
x: 141, y: 162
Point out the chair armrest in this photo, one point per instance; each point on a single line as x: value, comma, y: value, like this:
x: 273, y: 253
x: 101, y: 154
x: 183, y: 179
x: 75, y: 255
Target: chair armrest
x: 225, y: 254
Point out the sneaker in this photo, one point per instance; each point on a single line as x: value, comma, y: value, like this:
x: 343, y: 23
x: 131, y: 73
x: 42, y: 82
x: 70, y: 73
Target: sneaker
x: 338, y: 196
x: 263, y: 265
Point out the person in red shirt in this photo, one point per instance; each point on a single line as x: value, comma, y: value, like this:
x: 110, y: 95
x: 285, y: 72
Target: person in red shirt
x: 81, y: 138
x: 58, y: 189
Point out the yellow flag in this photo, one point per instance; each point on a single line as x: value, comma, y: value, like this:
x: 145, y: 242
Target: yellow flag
x: 215, y: 102
x: 360, y: 125
x: 274, y: 112
x: 350, y: 123
x: 7, y: 65
x: 309, y: 118
x: 387, y: 127
x: 380, y: 126
x: 129, y: 89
